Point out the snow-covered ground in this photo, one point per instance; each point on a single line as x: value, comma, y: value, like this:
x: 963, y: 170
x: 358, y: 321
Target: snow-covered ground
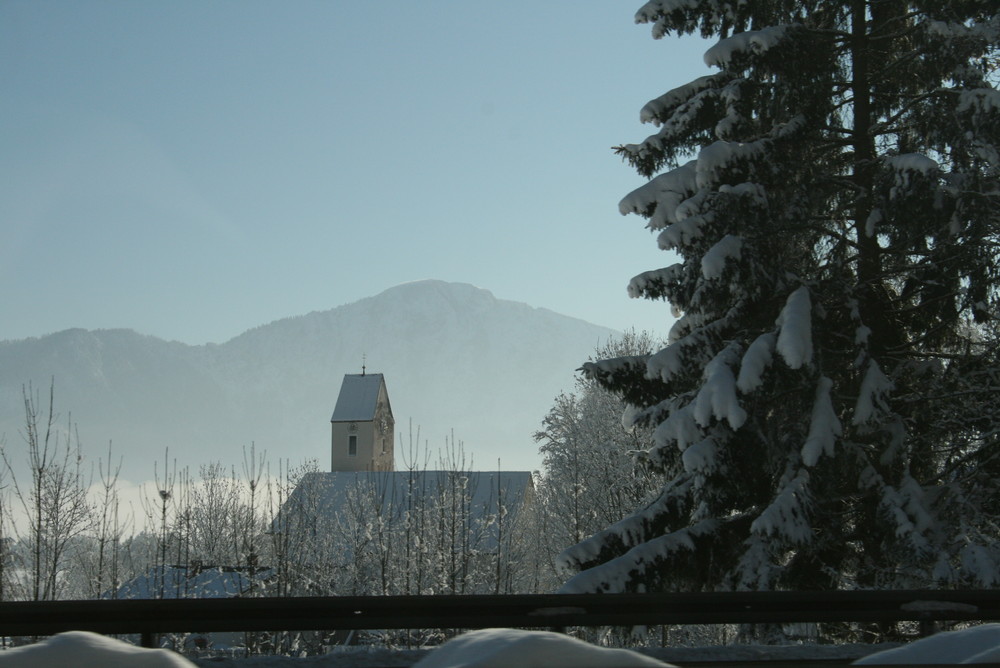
x: 507, y: 648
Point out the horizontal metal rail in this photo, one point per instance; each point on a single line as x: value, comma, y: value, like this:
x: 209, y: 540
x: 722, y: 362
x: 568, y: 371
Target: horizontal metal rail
x: 469, y: 612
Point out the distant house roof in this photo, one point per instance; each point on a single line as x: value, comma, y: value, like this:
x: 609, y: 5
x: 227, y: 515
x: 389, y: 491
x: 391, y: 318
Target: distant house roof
x: 192, y: 582
x: 358, y: 398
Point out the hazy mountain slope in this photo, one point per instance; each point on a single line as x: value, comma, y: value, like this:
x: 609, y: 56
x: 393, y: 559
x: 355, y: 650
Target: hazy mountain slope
x: 139, y: 391
x: 454, y: 356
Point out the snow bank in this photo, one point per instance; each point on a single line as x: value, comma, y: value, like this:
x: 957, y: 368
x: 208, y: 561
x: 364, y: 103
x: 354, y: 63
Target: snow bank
x: 510, y: 648
x: 82, y: 649
x: 514, y: 648
x: 976, y: 645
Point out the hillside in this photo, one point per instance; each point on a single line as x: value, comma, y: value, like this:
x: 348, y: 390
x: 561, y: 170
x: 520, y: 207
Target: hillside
x: 454, y: 356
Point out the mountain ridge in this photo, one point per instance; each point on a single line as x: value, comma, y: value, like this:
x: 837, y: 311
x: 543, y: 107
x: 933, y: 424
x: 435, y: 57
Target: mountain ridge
x: 455, y: 358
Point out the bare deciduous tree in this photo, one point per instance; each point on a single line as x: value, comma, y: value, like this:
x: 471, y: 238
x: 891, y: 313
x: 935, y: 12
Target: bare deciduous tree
x: 53, y: 505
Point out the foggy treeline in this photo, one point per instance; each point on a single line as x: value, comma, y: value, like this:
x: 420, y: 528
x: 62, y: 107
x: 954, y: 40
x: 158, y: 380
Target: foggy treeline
x: 66, y: 532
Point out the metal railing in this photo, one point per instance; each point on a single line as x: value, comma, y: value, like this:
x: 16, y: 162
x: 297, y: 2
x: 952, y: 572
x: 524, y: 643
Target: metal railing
x: 151, y: 617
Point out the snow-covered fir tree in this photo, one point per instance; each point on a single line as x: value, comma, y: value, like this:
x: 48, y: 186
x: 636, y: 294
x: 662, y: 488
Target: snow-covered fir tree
x: 825, y: 411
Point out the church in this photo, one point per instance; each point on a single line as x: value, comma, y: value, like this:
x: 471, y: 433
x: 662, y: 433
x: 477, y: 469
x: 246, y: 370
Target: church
x: 482, y: 513
x: 363, y: 429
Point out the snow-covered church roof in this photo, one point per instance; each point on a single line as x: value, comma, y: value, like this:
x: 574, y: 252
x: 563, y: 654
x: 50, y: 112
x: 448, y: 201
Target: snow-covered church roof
x: 483, y: 487
x: 320, y: 497
x: 358, y: 398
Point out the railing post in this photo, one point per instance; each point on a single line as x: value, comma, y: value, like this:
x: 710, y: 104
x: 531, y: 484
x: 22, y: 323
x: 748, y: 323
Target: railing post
x: 149, y: 639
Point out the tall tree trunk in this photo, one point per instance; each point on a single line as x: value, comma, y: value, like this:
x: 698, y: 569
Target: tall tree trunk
x: 871, y: 304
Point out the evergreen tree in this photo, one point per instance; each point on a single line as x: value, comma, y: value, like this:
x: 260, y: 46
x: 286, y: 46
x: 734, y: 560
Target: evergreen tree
x: 825, y: 409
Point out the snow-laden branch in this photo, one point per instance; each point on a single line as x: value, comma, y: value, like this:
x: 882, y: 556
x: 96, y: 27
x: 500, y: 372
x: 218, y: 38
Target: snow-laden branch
x: 824, y: 426
x: 795, y: 334
x: 751, y: 41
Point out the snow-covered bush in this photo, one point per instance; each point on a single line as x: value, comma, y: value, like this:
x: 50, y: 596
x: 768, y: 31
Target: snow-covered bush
x: 591, y: 476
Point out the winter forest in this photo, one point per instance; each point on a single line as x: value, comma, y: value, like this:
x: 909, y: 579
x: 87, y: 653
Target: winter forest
x: 823, y: 414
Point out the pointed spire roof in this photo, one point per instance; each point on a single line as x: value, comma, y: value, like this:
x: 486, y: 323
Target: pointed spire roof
x: 358, y: 397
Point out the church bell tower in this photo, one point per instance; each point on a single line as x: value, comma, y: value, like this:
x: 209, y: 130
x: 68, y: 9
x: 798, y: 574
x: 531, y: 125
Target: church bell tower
x: 362, y: 426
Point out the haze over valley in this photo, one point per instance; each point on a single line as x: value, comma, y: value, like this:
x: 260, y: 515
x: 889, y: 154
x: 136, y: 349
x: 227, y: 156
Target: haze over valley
x: 455, y: 359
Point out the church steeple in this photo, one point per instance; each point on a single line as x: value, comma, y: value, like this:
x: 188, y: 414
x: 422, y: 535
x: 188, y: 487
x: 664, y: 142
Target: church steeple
x: 362, y: 426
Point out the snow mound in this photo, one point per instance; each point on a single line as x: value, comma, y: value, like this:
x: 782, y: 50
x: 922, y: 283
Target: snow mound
x: 82, y: 649
x: 513, y: 648
x: 980, y: 644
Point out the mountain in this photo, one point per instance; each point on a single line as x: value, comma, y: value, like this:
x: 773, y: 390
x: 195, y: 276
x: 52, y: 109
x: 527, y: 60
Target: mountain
x: 455, y: 358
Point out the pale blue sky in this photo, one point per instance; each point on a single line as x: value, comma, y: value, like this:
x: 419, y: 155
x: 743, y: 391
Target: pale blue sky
x: 194, y: 169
